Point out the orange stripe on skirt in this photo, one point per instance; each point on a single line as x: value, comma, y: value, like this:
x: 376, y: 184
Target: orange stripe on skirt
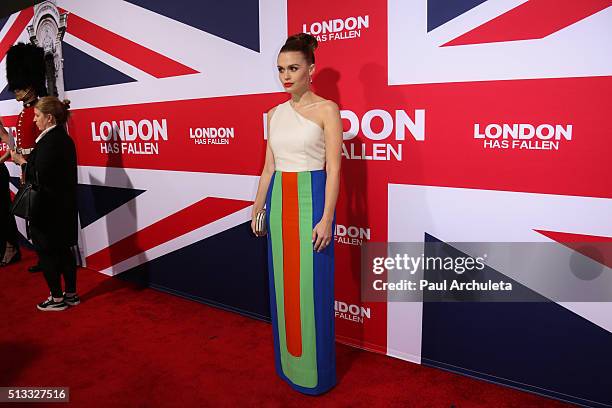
x: 291, y: 263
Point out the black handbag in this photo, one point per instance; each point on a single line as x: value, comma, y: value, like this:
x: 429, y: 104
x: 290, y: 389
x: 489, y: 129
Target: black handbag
x: 25, y: 201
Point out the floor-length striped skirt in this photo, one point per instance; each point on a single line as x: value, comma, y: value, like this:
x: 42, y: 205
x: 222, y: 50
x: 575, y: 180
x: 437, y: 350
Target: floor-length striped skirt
x: 301, y: 283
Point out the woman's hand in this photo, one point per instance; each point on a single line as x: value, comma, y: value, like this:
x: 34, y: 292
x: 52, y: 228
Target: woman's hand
x: 253, y: 217
x: 17, y: 158
x: 254, y: 223
x: 322, y: 235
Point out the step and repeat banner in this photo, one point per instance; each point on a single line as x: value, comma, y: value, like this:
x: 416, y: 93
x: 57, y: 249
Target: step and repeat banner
x: 464, y: 121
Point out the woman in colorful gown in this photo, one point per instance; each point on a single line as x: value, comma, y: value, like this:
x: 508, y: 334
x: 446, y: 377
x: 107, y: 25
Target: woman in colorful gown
x: 299, y: 187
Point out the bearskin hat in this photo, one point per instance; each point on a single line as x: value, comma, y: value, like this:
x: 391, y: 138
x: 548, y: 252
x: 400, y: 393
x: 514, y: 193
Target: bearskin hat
x: 25, y: 67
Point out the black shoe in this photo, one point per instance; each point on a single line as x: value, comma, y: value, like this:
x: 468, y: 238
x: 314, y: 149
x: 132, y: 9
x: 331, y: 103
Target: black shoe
x: 72, y: 300
x: 51, y: 305
x: 35, y: 268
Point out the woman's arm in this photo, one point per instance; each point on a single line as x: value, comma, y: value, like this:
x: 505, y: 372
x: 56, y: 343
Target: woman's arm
x: 6, y: 139
x: 332, y: 126
x: 3, y: 132
x: 264, y: 180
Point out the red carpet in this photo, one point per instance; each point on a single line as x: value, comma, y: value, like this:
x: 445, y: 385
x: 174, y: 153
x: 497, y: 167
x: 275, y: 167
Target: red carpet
x: 130, y: 347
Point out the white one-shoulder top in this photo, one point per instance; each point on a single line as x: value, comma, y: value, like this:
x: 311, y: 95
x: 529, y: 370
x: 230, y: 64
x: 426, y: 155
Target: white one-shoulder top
x: 298, y: 144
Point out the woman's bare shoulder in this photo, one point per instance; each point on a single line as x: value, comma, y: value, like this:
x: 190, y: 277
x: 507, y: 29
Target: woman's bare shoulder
x: 327, y: 107
x: 271, y: 112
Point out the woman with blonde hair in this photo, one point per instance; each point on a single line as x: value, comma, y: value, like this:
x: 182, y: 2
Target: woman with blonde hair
x: 52, y: 169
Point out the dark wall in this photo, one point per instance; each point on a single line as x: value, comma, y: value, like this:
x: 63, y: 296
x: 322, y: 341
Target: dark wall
x: 8, y: 7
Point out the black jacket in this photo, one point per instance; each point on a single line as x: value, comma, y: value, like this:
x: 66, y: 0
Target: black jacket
x: 52, y: 166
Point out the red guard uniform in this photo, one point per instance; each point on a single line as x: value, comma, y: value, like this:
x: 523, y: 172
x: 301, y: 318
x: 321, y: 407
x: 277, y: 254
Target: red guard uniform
x: 27, y: 132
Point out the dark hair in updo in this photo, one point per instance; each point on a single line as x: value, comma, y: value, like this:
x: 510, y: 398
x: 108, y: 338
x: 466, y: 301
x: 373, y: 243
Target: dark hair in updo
x: 304, y: 43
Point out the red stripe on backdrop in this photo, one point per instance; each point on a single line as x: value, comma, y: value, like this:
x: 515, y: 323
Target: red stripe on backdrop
x: 531, y: 20
x: 206, y: 211
x: 291, y: 264
x: 15, y: 31
x: 357, y: 84
x: 134, y: 54
x: 181, y: 151
x: 595, y: 247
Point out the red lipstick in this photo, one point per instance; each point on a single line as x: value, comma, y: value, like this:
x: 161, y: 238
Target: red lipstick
x: 288, y: 84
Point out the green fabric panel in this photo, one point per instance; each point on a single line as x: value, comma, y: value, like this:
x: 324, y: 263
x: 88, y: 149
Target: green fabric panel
x: 301, y: 370
x: 309, y: 344
x: 276, y: 231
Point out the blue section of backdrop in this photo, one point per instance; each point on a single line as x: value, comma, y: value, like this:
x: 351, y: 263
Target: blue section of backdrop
x: 540, y: 346
x: 97, y: 201
x: 443, y: 11
x: 6, y: 95
x: 226, y: 270
x: 236, y: 21
x: 3, y: 21
x: 84, y: 71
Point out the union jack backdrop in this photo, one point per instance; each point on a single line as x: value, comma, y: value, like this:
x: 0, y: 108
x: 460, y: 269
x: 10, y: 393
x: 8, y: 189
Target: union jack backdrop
x: 464, y: 120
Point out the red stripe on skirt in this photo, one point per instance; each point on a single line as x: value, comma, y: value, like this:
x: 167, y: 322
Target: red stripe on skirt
x: 291, y: 263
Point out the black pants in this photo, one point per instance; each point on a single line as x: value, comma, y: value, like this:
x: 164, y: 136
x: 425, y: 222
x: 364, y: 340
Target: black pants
x: 56, y: 262
x: 8, y: 228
